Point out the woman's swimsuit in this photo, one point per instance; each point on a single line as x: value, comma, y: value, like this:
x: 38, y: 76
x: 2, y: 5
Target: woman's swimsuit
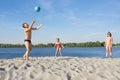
x: 58, y: 45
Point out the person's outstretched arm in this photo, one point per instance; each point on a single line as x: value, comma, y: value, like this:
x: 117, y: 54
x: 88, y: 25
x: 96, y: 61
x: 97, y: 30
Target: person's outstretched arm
x: 37, y: 28
x: 30, y: 27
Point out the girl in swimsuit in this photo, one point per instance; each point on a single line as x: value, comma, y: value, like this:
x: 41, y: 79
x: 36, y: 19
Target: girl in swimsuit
x: 108, y: 44
x: 58, y: 46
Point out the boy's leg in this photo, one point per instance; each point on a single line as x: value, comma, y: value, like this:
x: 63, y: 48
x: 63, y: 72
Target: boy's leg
x: 107, y: 49
x: 28, y: 48
x: 24, y: 56
x: 110, y: 49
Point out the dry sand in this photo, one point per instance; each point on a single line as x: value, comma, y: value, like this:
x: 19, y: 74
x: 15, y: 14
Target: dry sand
x: 60, y: 68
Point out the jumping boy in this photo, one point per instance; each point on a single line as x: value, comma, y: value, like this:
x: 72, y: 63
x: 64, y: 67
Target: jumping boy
x: 28, y: 34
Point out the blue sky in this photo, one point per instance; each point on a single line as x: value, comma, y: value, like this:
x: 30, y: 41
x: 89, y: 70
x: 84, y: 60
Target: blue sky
x: 70, y: 20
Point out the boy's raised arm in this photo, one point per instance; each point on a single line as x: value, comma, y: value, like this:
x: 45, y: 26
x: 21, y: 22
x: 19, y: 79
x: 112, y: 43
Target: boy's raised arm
x: 37, y: 28
x: 30, y: 27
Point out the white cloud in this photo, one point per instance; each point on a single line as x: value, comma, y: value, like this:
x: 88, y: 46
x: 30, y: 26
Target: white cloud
x: 104, y: 14
x: 47, y: 5
x: 66, y: 2
x: 71, y: 15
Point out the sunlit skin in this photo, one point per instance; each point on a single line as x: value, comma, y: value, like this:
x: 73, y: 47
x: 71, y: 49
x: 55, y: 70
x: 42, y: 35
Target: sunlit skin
x: 28, y: 34
x: 108, y: 44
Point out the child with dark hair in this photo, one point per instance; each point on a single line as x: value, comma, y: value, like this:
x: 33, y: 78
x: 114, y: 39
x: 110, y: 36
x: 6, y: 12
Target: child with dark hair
x: 108, y: 44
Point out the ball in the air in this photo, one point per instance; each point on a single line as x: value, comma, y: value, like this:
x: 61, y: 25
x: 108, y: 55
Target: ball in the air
x: 37, y: 9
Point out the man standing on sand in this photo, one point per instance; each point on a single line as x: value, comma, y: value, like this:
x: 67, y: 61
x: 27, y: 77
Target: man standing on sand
x: 28, y: 34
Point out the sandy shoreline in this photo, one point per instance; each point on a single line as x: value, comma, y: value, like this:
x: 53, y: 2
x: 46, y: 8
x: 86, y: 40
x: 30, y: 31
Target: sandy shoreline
x: 60, y: 68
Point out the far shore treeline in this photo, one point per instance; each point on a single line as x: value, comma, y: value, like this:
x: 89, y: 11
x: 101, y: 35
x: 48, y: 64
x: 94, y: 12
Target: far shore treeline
x: 85, y: 44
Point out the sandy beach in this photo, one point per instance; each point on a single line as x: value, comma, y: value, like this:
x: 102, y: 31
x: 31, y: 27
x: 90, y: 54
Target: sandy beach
x: 60, y: 68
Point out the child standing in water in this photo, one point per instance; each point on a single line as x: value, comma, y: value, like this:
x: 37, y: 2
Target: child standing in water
x: 28, y: 34
x: 58, y: 46
x: 108, y: 44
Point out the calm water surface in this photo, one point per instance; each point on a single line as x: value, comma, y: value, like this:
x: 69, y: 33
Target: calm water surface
x: 8, y: 53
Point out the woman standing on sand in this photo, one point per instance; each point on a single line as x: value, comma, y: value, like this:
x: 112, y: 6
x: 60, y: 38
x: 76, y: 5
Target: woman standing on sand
x: 108, y: 44
x: 58, y: 46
